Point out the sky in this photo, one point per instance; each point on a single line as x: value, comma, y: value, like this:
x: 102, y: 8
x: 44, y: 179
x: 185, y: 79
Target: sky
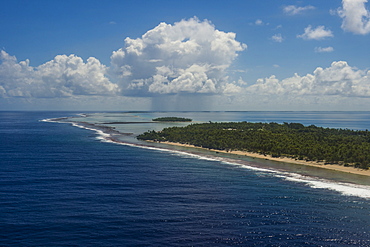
x: 234, y: 55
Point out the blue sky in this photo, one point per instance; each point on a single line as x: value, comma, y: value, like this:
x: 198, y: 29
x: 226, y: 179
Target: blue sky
x: 185, y: 55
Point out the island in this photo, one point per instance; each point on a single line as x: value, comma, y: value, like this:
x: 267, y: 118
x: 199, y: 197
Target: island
x: 291, y: 141
x: 172, y: 119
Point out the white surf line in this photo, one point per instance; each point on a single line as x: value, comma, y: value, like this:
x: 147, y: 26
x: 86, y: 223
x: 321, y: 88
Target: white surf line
x: 348, y: 189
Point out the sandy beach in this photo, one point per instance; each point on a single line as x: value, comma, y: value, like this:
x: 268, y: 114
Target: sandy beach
x: 285, y: 159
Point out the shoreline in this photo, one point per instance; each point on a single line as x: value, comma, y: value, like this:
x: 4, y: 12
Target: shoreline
x: 340, y: 168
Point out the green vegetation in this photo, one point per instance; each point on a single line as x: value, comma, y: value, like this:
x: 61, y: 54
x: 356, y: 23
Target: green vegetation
x: 293, y: 140
x: 172, y: 119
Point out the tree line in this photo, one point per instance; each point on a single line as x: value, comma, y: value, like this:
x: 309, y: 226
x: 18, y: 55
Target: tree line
x: 172, y: 119
x: 293, y: 140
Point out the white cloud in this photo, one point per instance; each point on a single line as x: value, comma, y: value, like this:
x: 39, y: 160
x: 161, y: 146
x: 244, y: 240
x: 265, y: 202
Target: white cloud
x: 234, y: 88
x: 356, y: 18
x: 339, y: 79
x: 64, y: 76
x: 294, y: 10
x: 190, y: 56
x: 278, y: 27
x: 190, y: 80
x: 258, y: 22
x: 318, y: 33
x: 324, y: 49
x: 277, y: 38
x: 230, y: 89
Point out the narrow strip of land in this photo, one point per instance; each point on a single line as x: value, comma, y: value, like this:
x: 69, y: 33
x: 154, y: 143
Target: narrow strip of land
x: 340, y: 168
x: 342, y: 149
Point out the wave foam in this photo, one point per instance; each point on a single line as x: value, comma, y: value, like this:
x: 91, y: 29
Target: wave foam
x: 344, y: 188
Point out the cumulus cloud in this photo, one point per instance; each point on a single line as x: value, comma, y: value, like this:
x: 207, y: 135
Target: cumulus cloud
x: 295, y: 10
x: 64, y: 76
x: 318, y: 33
x: 190, y: 56
x: 235, y: 87
x: 324, y: 49
x: 356, y: 18
x: 277, y: 38
x: 191, y: 80
x: 338, y: 79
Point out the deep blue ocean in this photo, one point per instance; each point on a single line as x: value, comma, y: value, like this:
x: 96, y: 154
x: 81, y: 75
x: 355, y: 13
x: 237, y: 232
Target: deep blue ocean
x: 66, y: 186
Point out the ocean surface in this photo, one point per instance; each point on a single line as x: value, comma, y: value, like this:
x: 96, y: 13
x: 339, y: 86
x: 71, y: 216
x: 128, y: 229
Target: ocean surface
x: 82, y: 179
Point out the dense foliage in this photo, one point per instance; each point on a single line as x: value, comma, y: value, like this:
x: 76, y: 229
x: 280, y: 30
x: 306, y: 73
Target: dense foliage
x: 172, y: 119
x: 294, y: 140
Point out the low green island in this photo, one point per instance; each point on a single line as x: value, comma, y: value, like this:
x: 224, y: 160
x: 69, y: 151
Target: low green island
x: 292, y: 140
x: 172, y: 119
